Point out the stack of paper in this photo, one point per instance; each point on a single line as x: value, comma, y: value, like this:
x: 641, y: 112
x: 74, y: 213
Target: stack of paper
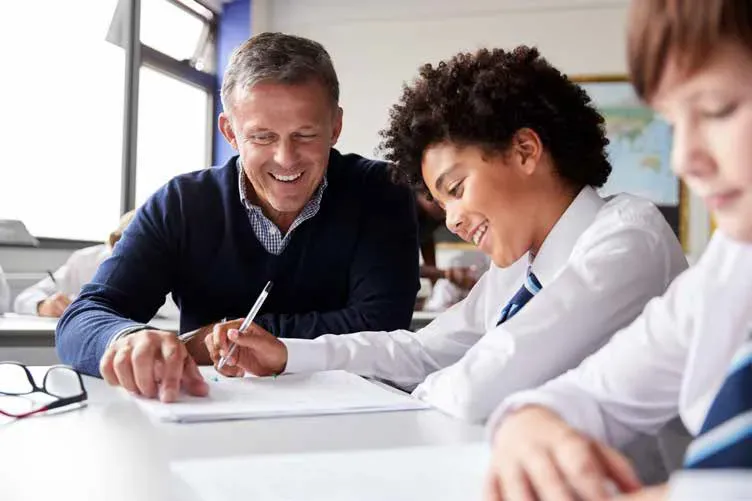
x: 447, y: 473
x: 331, y: 392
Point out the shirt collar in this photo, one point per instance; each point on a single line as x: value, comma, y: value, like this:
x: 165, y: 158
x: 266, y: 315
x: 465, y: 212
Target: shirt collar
x: 558, y: 245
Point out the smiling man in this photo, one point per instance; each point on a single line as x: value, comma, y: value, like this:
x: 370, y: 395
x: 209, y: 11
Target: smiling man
x: 514, y: 152
x: 332, y: 231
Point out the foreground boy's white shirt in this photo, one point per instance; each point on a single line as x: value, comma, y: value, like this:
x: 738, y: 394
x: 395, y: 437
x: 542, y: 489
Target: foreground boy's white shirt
x: 673, y: 358
x: 599, y: 266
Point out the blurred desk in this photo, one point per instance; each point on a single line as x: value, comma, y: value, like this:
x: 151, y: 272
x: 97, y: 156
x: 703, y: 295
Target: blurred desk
x: 111, y: 450
x: 31, y: 339
x: 28, y: 330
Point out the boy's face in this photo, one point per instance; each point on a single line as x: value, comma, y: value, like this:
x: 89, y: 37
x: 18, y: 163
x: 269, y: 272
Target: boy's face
x: 490, y: 201
x: 711, y: 113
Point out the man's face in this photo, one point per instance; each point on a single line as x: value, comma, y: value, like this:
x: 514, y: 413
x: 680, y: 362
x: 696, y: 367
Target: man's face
x: 283, y: 133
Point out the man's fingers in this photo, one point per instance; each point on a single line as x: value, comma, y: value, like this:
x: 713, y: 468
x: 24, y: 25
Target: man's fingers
x: 142, y: 358
x: 173, y: 355
x: 618, y: 469
x: 106, y: 368
x: 123, y: 368
x: 192, y: 381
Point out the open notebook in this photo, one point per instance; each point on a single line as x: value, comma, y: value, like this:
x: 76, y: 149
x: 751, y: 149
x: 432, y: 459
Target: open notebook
x: 448, y: 473
x: 330, y: 392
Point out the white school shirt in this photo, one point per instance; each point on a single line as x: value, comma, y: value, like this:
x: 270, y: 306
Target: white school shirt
x: 4, y: 293
x: 672, y: 359
x: 599, y: 265
x: 71, y: 277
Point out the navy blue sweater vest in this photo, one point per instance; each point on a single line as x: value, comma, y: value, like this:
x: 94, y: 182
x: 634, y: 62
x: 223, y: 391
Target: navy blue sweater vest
x: 352, y: 267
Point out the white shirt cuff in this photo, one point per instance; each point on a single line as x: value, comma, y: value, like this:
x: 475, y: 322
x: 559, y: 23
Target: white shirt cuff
x: 305, y: 355
x: 127, y: 331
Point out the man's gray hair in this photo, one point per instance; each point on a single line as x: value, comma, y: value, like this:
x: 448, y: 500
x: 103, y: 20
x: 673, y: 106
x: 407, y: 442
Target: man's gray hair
x: 278, y: 57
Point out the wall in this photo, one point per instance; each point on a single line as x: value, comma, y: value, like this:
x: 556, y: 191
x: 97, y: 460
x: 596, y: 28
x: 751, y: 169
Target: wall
x: 233, y: 29
x: 376, y: 46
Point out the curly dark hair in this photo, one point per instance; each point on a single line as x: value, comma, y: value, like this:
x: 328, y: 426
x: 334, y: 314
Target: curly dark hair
x: 482, y: 99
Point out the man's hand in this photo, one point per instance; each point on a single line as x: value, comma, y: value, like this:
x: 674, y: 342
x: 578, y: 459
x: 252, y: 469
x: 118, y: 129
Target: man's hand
x: 154, y: 364
x: 257, y: 350
x: 538, y: 456
x: 53, y: 306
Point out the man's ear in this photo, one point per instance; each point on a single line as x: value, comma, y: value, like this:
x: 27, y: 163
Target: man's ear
x: 337, y: 125
x: 225, y: 127
x: 527, y: 148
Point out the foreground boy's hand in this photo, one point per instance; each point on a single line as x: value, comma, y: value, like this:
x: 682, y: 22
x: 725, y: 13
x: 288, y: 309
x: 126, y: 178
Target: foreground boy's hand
x: 538, y: 456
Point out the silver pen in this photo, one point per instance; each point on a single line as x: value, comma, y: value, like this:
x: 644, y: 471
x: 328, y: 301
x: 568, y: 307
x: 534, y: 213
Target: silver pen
x: 247, y: 322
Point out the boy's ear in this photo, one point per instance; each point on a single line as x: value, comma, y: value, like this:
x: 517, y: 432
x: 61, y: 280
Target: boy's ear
x: 527, y: 148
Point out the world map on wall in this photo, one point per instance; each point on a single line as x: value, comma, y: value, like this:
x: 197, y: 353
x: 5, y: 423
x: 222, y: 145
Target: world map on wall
x: 640, y: 145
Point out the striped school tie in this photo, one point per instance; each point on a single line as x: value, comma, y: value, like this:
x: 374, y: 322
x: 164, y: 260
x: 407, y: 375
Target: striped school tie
x: 530, y: 288
x: 725, y: 440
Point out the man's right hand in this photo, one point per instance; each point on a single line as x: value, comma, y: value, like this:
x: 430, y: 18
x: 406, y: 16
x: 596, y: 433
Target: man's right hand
x: 53, y: 306
x: 154, y: 364
x: 538, y: 456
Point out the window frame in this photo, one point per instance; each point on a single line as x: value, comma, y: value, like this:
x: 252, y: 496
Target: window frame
x: 139, y: 54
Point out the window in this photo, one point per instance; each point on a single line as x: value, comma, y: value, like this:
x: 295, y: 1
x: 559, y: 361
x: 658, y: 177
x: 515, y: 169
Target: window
x: 171, y: 30
x: 172, y: 131
x: 62, y: 118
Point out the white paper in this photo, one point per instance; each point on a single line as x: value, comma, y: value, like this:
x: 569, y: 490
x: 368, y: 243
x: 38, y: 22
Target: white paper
x: 447, y: 473
x: 330, y: 392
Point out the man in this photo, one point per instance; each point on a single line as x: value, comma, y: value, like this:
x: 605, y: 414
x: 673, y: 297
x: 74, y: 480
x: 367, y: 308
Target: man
x: 336, y: 237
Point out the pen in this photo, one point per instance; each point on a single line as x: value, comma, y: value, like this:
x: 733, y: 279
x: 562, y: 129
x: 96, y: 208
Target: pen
x: 247, y: 322
x: 52, y: 277
x: 187, y: 336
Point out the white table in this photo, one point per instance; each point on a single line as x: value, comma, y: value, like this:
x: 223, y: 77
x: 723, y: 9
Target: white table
x: 111, y: 450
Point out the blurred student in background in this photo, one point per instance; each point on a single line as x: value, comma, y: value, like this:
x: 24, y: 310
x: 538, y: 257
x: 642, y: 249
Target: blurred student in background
x: 51, y: 296
x: 449, y: 285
